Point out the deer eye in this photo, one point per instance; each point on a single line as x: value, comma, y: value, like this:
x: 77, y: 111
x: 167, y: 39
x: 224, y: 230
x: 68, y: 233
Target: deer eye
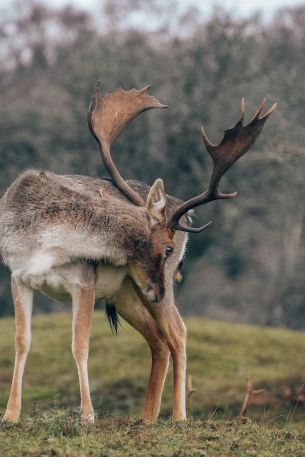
x: 168, y: 251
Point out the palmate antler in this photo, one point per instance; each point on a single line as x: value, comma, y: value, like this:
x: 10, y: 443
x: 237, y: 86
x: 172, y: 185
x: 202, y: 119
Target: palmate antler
x: 235, y: 143
x: 107, y: 116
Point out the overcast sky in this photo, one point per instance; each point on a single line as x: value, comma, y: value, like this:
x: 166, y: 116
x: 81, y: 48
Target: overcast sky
x: 240, y: 7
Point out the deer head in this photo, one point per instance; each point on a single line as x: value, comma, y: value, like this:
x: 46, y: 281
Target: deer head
x: 107, y: 116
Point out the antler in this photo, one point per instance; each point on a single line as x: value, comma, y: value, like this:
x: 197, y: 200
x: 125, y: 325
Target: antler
x: 235, y: 143
x: 108, y: 118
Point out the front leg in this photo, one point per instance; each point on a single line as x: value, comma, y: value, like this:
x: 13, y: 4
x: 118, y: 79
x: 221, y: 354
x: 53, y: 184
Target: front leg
x: 23, y: 301
x: 173, y: 331
x: 83, y: 299
x: 130, y: 306
x: 164, y: 330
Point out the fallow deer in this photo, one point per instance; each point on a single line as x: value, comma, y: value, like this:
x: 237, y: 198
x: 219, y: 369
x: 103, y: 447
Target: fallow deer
x: 79, y: 239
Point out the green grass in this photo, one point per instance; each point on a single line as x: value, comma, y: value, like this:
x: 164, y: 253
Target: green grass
x: 59, y: 434
x: 220, y: 357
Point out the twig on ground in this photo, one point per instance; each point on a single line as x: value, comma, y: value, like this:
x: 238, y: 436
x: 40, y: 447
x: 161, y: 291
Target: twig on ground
x: 190, y: 392
x: 249, y: 396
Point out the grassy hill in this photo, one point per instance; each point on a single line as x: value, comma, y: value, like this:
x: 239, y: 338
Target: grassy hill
x: 220, y: 357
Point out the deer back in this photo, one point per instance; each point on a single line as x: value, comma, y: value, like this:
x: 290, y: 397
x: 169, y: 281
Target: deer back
x: 74, y: 217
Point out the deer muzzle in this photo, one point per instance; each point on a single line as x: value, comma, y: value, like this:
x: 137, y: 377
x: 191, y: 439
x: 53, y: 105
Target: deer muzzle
x: 154, y: 294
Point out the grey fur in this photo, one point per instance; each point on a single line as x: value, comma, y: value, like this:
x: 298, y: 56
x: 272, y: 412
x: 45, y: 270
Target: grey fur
x: 68, y: 217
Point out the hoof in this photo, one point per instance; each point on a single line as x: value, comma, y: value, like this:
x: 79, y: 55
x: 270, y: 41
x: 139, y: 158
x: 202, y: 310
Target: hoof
x: 88, y: 419
x: 149, y: 419
x: 179, y: 417
x: 10, y: 417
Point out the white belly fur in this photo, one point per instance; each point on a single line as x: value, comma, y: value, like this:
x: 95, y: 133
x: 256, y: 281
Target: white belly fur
x: 59, y: 282
x: 108, y: 280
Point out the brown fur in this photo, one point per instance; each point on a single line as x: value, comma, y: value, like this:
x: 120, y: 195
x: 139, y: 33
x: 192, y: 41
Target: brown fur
x: 39, y: 202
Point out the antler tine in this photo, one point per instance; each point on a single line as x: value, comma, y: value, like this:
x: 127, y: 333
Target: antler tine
x: 89, y: 116
x: 145, y: 89
x: 258, y: 112
x: 270, y: 111
x: 107, y: 116
x: 235, y: 143
x: 183, y: 228
x: 97, y: 90
x: 242, y: 109
x: 209, y: 145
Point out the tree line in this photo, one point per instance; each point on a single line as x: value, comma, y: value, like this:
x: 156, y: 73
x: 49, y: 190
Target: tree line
x: 249, y: 265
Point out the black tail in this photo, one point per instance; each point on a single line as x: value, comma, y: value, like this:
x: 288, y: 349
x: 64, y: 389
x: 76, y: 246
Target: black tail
x: 113, y: 318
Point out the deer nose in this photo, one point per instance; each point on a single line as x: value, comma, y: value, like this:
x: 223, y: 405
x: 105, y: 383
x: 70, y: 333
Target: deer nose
x: 155, y: 293
x: 160, y: 292
x: 151, y: 294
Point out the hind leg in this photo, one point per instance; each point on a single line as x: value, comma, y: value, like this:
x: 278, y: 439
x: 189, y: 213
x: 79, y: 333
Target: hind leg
x: 23, y: 302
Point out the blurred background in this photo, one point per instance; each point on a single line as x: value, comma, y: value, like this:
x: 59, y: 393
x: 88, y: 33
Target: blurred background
x: 200, y: 60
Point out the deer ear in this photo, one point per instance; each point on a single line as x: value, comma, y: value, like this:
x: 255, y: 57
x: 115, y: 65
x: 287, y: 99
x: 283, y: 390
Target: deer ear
x: 156, y: 203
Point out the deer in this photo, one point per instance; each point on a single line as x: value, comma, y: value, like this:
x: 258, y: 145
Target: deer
x: 80, y: 239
